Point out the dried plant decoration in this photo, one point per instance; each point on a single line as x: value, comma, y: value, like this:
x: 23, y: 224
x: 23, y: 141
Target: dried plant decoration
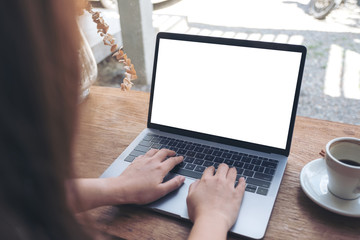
x: 109, y: 40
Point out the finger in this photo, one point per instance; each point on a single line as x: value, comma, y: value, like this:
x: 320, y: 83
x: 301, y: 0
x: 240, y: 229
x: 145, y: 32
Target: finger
x: 193, y: 186
x: 231, y: 174
x: 163, y: 154
x: 222, y: 170
x: 241, y: 185
x: 171, y: 162
x: 151, y: 152
x: 171, y: 185
x: 208, y: 172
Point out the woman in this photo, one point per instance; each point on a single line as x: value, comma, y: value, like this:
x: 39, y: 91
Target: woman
x: 39, y: 78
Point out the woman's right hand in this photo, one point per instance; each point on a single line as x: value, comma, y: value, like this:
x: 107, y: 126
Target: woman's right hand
x: 214, y: 203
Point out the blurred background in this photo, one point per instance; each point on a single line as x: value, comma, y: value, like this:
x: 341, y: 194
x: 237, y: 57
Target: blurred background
x: 330, y: 31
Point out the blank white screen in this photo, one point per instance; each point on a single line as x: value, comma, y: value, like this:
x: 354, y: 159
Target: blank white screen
x: 234, y: 92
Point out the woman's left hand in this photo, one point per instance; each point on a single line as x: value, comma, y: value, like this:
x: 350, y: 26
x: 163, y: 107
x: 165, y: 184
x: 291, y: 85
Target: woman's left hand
x: 142, y: 181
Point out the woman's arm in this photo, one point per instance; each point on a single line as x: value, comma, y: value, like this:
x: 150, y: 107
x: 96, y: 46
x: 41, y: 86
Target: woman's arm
x: 140, y: 183
x: 214, y: 203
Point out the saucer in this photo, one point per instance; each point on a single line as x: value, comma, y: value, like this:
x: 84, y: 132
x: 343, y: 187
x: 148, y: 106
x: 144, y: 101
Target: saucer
x: 314, y: 180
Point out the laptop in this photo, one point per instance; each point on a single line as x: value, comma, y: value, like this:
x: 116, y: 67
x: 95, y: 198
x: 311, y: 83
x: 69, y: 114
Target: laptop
x: 217, y: 100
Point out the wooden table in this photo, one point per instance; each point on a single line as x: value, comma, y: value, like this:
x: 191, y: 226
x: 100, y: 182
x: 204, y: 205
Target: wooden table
x: 111, y: 119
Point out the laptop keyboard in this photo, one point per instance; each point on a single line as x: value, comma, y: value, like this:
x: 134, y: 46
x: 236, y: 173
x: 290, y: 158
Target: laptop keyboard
x: 258, y: 171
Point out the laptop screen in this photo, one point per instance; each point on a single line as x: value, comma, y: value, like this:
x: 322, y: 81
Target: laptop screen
x: 236, y: 92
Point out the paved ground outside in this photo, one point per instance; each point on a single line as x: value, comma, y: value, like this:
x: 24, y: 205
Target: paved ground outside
x: 331, y: 82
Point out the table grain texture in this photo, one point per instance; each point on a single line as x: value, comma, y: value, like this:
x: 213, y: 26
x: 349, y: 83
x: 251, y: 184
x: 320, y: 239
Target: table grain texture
x: 110, y: 119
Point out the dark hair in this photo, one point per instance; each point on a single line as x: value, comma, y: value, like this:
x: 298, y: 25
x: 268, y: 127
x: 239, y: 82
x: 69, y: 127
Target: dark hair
x: 39, y: 78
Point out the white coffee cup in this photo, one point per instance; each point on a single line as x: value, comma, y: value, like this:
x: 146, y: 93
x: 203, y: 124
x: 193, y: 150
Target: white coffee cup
x: 342, y: 157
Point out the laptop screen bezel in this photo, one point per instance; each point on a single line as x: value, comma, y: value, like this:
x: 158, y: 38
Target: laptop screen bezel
x: 235, y: 42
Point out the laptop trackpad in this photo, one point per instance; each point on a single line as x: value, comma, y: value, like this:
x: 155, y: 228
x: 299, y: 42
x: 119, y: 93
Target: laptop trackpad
x: 174, y: 203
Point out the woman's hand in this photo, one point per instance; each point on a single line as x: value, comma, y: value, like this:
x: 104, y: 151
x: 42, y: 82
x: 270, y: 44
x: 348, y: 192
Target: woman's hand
x: 142, y: 181
x: 214, y: 203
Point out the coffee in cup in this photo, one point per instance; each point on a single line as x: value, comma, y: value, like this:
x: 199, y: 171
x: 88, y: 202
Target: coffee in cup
x: 342, y: 157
